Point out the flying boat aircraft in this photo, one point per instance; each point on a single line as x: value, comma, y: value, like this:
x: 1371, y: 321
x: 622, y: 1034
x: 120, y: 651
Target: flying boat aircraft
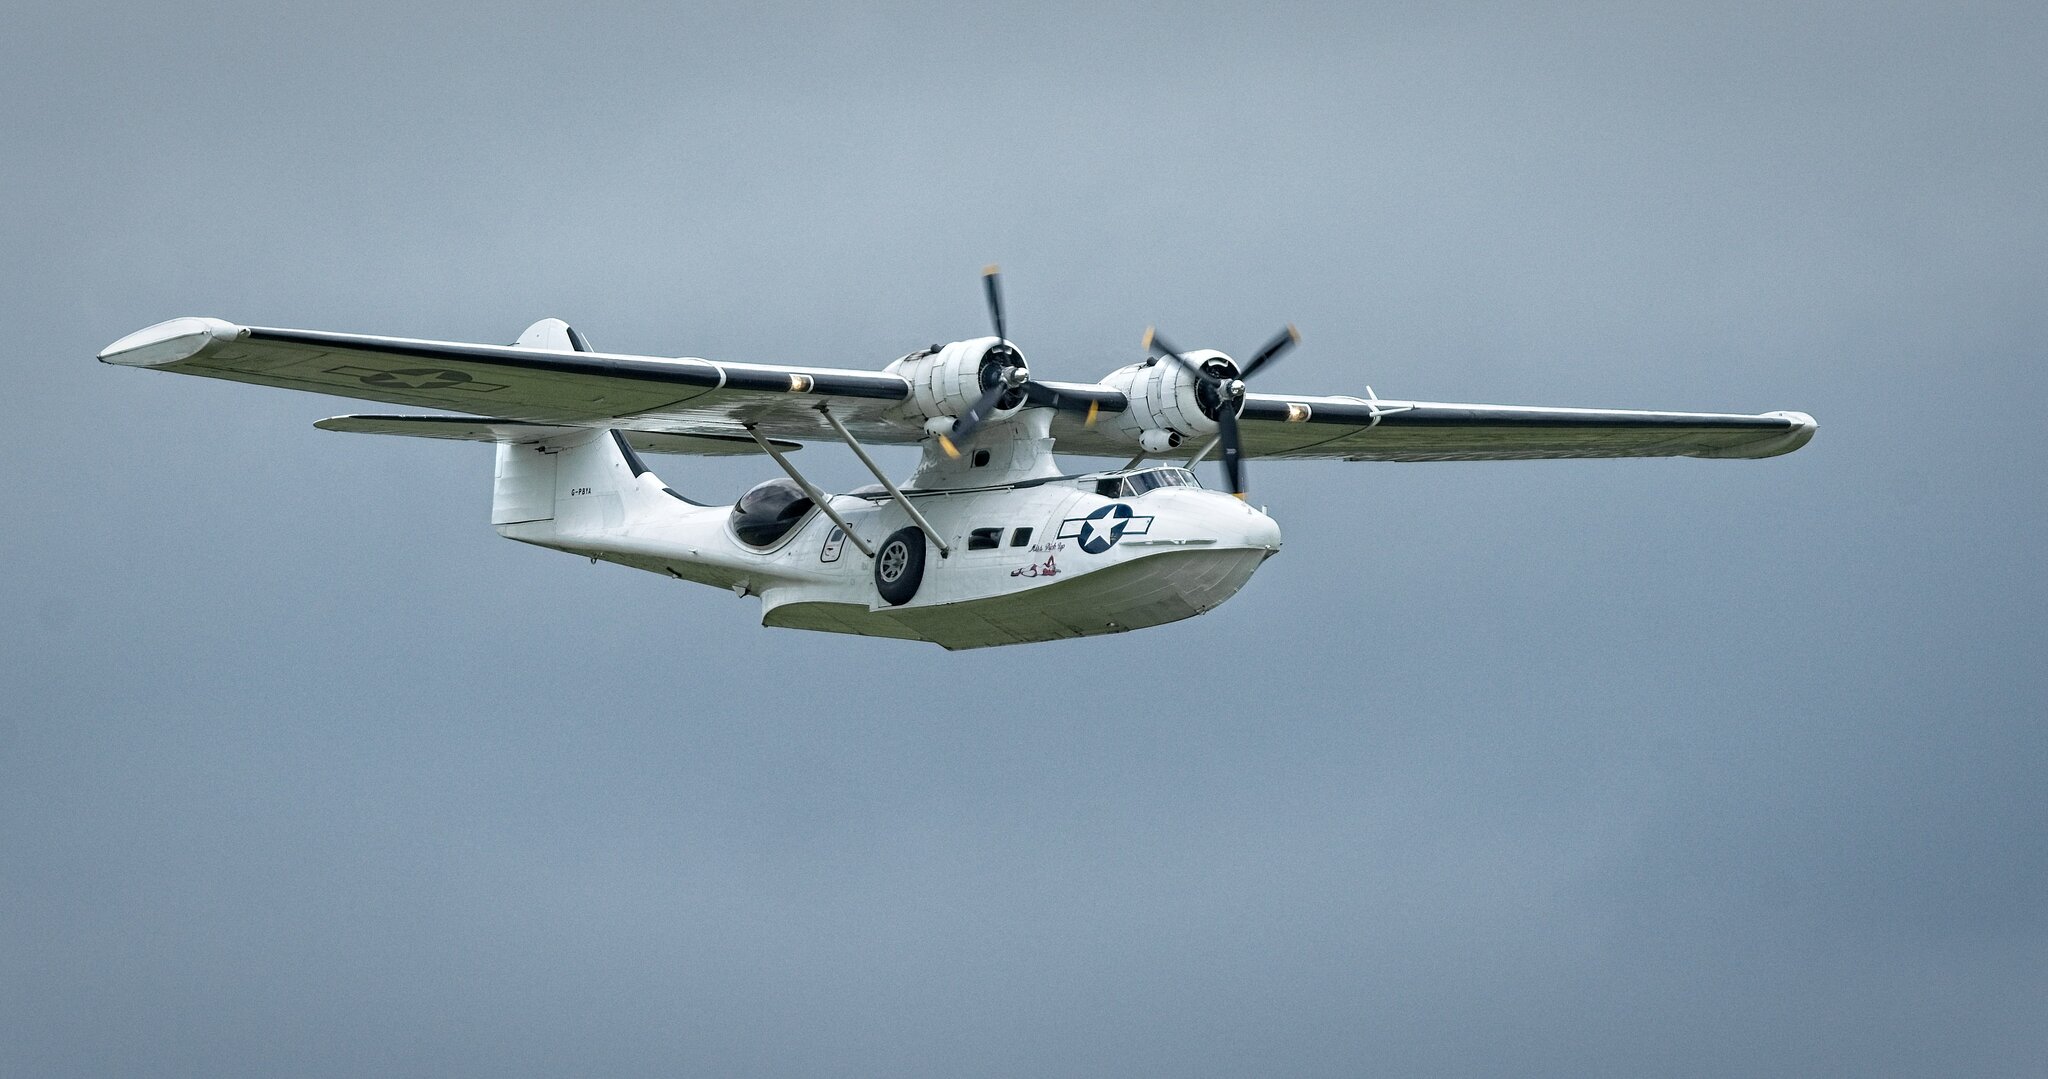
x: 989, y: 541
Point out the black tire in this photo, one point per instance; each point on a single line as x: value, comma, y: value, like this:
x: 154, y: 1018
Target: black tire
x: 899, y: 565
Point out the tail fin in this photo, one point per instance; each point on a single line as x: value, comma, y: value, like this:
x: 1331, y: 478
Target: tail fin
x: 523, y: 484
x: 583, y: 481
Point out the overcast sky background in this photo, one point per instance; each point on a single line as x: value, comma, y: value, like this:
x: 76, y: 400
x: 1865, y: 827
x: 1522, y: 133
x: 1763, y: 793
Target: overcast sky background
x: 1624, y: 768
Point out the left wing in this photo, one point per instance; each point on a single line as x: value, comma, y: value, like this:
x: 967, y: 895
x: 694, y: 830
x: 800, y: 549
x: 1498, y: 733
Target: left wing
x: 1371, y: 429
x: 522, y: 384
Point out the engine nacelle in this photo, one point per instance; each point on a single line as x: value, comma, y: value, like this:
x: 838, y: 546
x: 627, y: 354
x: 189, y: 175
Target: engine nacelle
x: 1168, y: 403
x: 947, y: 379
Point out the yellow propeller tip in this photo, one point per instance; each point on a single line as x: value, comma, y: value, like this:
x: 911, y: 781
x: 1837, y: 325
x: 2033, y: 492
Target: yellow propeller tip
x: 1293, y: 333
x: 1093, y: 408
x: 991, y: 270
x: 1148, y: 337
x: 1240, y: 495
x: 947, y: 445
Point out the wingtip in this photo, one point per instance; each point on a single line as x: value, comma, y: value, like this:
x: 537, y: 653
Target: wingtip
x: 170, y: 341
x: 1799, y: 431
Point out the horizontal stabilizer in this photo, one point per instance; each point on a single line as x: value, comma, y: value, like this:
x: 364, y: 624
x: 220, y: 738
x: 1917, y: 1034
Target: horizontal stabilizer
x: 483, y: 429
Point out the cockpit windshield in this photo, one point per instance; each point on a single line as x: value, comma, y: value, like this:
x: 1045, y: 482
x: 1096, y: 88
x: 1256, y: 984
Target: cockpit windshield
x: 1137, y: 483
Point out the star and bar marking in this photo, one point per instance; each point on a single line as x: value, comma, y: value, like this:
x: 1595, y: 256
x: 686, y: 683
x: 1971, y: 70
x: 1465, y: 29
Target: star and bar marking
x: 1099, y: 531
x: 416, y: 378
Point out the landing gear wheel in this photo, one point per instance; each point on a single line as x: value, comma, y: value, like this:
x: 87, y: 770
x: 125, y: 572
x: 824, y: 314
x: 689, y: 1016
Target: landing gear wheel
x: 899, y: 565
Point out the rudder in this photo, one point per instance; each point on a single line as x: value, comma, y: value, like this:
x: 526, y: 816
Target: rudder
x: 589, y: 480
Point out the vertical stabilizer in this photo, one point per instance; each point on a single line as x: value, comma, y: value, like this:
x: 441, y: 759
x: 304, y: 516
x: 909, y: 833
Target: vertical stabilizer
x: 588, y: 482
x: 581, y: 477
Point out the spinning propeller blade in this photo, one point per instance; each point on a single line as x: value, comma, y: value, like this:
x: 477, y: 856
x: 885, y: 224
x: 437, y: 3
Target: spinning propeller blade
x: 1285, y: 340
x: 991, y: 282
x: 1155, y: 342
x: 1233, y: 453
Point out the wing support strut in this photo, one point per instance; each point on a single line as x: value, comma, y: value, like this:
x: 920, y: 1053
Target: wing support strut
x: 818, y: 498
x: 888, y: 485
x: 1378, y: 409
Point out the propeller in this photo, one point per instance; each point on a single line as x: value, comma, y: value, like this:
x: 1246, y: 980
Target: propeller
x: 992, y: 283
x: 1008, y: 379
x: 1226, y: 395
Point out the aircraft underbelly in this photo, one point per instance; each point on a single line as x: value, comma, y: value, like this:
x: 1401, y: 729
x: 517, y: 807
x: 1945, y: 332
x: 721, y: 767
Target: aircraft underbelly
x: 1148, y: 591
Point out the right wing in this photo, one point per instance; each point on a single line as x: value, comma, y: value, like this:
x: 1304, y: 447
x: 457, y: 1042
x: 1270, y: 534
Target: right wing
x: 548, y: 386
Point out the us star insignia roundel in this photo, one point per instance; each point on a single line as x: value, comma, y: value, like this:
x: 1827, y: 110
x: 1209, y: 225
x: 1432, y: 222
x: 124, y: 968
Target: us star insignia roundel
x: 1099, y: 531
x: 415, y: 378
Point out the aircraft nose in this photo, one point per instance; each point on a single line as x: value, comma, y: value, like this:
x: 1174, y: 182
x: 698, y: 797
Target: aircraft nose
x: 1236, y: 520
x: 1262, y: 531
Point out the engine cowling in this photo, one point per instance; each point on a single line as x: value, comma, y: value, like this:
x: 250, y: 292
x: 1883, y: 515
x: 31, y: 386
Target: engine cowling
x: 947, y: 379
x: 1168, y: 404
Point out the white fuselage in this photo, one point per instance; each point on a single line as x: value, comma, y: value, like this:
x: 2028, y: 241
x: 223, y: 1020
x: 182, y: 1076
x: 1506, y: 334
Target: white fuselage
x: 1028, y: 561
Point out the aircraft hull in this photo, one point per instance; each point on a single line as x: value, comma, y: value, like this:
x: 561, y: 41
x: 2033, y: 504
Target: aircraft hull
x: 1151, y: 590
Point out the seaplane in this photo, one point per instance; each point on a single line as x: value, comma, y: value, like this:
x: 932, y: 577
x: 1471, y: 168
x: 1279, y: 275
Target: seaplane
x: 990, y: 541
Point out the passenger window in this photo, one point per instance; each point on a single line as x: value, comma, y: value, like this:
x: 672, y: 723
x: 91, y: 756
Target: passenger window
x: 984, y: 539
x: 1020, y: 537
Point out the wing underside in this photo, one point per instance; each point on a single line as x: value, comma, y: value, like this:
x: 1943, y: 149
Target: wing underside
x: 483, y: 429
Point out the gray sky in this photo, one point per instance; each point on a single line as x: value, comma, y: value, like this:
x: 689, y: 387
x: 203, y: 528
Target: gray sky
x: 1569, y: 768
